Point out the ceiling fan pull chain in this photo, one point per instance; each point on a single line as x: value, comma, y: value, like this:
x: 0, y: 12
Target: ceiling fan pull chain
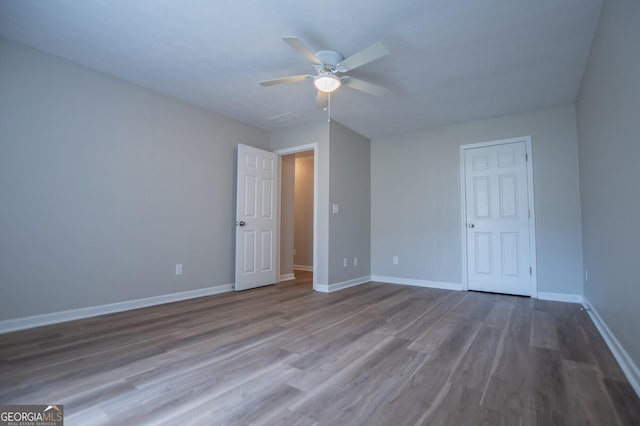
x: 329, y: 107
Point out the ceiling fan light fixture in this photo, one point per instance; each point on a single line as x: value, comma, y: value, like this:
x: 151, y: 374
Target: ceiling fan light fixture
x: 327, y: 83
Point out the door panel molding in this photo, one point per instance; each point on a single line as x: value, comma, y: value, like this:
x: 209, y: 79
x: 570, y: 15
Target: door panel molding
x: 504, y: 161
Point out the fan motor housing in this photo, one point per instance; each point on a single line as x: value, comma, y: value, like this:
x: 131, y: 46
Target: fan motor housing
x: 329, y: 59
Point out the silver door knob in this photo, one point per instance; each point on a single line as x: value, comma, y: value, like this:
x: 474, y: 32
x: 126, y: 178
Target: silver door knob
x: 471, y: 225
x: 241, y: 223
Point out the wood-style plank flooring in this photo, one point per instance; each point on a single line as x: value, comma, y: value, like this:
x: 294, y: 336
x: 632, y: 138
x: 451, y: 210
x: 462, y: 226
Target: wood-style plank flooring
x: 376, y: 354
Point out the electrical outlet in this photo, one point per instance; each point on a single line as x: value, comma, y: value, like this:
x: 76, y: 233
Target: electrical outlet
x: 345, y: 262
x: 336, y: 209
x: 178, y: 268
x: 586, y: 275
x: 295, y: 252
x: 355, y: 261
x: 395, y: 260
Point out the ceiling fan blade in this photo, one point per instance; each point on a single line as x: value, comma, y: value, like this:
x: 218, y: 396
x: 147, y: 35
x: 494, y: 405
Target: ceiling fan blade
x: 303, y: 50
x: 292, y: 79
x: 364, y: 86
x: 322, y: 99
x: 375, y: 51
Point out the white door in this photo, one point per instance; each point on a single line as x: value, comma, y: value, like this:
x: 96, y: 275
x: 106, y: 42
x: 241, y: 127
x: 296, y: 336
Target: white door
x: 256, y: 218
x: 497, y: 212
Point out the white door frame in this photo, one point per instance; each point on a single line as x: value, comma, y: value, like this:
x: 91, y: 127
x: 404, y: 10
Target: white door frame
x: 293, y: 150
x: 530, y: 191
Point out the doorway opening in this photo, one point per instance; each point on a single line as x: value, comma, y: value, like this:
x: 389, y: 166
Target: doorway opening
x: 298, y: 218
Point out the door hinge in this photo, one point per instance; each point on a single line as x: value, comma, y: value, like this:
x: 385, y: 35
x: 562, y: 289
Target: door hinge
x: 530, y: 270
x: 526, y: 157
x: 529, y: 213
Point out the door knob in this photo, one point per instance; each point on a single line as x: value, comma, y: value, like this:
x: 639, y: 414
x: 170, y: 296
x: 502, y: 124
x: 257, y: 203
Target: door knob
x: 471, y: 225
x: 241, y: 223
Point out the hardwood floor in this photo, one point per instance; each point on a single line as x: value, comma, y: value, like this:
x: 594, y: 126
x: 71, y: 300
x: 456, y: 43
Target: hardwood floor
x: 376, y: 354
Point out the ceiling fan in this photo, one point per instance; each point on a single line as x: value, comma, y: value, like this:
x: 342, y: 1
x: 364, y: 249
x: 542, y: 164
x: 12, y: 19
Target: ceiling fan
x: 329, y: 66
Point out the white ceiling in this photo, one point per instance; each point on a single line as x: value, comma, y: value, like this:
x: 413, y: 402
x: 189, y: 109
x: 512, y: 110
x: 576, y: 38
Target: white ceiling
x: 451, y: 60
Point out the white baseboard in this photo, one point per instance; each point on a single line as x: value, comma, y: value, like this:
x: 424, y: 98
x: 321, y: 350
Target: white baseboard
x: 560, y: 297
x: 330, y: 288
x: 417, y: 283
x: 93, y: 311
x: 629, y: 367
x: 303, y: 268
x: 287, y: 277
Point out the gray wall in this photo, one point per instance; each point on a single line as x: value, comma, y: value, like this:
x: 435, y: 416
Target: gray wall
x: 287, y: 212
x: 608, y: 111
x: 303, y: 135
x: 344, y: 178
x: 350, y: 229
x: 303, y: 221
x: 105, y: 186
x: 415, y: 211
